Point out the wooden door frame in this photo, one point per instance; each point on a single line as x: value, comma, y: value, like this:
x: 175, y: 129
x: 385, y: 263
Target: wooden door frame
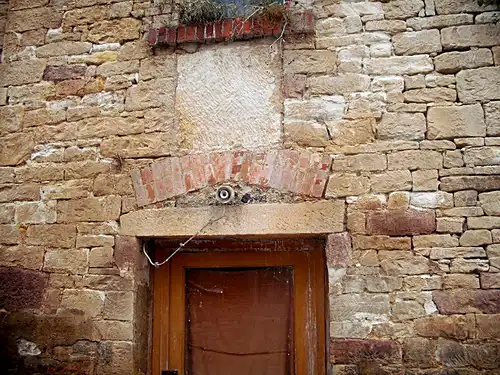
x: 306, y: 255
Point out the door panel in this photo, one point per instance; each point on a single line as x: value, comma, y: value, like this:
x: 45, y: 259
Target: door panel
x: 239, y: 321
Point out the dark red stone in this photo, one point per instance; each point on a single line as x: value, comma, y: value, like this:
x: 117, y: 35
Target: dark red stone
x: 338, y: 250
x: 397, y: 223
x: 467, y: 301
x: 64, y: 72
x: 353, y: 351
x: 21, y: 289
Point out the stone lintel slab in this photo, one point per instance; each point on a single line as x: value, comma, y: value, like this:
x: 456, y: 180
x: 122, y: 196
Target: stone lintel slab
x: 246, y: 220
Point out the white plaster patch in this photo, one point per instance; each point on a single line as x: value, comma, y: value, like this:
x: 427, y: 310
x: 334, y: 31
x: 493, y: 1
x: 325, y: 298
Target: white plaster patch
x: 228, y: 98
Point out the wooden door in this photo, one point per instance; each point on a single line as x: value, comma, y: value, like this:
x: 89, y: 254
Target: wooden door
x: 240, y: 313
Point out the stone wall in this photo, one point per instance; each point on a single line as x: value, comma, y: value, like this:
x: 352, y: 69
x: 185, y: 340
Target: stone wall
x: 395, y: 106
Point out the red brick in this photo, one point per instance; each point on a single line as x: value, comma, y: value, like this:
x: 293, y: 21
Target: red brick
x: 352, y: 351
x: 190, y: 33
x: 200, y: 33
x: 278, y: 167
x: 146, y: 175
x: 288, y: 174
x: 172, y: 36
x: 247, y: 29
x: 395, y: 222
x: 239, y: 166
x: 237, y: 27
x: 256, y: 168
x: 150, y: 192
x: 181, y: 34
x: 221, y: 165
x: 227, y: 29
x: 162, y: 33
x: 268, y: 169
x: 176, y: 177
x: 321, y: 177
x: 338, y: 250
x: 218, y: 31
x: 153, y: 37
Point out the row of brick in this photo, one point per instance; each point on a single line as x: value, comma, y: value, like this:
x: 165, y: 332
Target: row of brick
x: 229, y: 29
x: 299, y: 172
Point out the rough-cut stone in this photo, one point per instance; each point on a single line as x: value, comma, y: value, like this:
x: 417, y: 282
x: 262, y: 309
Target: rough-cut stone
x: 401, y: 126
x: 485, y: 222
x: 418, y: 42
x: 399, y: 65
x: 89, y: 209
x: 346, y: 184
x: 398, y: 263
x: 21, y: 72
x: 450, y: 224
x: 119, y: 306
x: 305, y: 61
x: 63, y: 48
x: 90, y: 302
x: 455, y: 121
x: 74, y: 261
x: 391, y: 181
x: 36, y: 212
x: 365, y: 351
x: 402, y: 9
x: 119, y: 30
x: 478, y: 84
x: 351, y: 132
x: 450, y: 253
x: 259, y: 219
x: 381, y: 243
x: 360, y: 162
x: 439, y: 199
x: 425, y: 180
x: 455, y: 327
x: 460, y: 281
x: 470, y: 36
x: 490, y: 202
x: 339, y: 84
x: 55, y: 235
x: 101, y: 257
x: 435, y: 240
x: 338, y: 250
x: 488, y: 326
x: 467, y: 301
x: 140, y: 146
x: 453, y: 62
x: 482, y: 156
x: 64, y: 72
x: 476, y: 238
x: 415, y: 159
x: 346, y: 307
x: 393, y: 222
x: 479, y: 183
x: 31, y: 19
x: 492, y: 114
x: 429, y: 95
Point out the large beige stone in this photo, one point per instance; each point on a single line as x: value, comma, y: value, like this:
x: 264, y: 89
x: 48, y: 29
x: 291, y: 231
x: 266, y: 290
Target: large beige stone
x: 479, y: 237
x: 307, y: 61
x: 159, y: 66
x: 401, y: 126
x: 434, y: 94
x: 52, y: 235
x: 89, y: 209
x: 347, y: 184
x: 11, y: 118
x: 21, y: 72
x: 490, y: 202
x: 418, y: 42
x: 482, y: 156
x: 119, y: 30
x: 150, y: 94
x: 63, y: 48
x: 453, y: 62
x: 360, y: 162
x: 119, y: 306
x: 44, y: 116
x: 90, y: 302
x: 205, y: 107
x: 460, y: 6
x: 141, y: 145
x: 485, y: 35
x: 309, y: 134
x: 399, y: 65
x: 456, y: 121
x: 492, y: 115
x: 438, y: 22
x: 43, y: 212
x: 402, y: 8
x: 415, y: 159
x: 32, y: 19
x: 22, y: 256
x: 16, y: 148
x: 254, y: 219
x: 351, y: 132
x: 9, y: 234
x: 339, y: 84
x: 391, y: 181
x: 73, y: 261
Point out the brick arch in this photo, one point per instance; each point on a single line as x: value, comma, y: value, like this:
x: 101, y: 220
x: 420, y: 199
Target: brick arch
x: 299, y: 172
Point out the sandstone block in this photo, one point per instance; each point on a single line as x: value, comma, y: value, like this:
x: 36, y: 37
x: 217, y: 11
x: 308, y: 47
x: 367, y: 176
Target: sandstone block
x: 101, y: 257
x: 21, y: 72
x: 415, y: 159
x: 476, y: 238
x: 491, y: 280
x: 351, y: 132
x: 463, y: 211
x: 353, y: 351
x: 391, y: 181
x: 63, y: 48
x: 393, y: 222
x: 439, y: 22
x: 89, y: 209
x: 305, y: 61
x: 71, y: 189
x: 43, y: 116
x: 52, y: 235
x: 22, y: 256
x: 438, y: 199
x: 488, y: 326
x: 453, y: 62
x: 460, y: 265
x: 456, y: 327
x: 402, y: 9
x: 116, y: 68
x: 150, y: 94
x: 455, y: 37
x: 346, y: 184
x: 11, y: 118
x: 119, y: 306
x: 42, y: 212
x: 399, y: 200
x: 309, y: 134
x: 419, y: 352
x: 360, y: 162
x: 401, y: 126
x: 32, y: 19
x: 460, y: 281
x: 64, y: 72
x: 478, y: 84
x: 418, y: 42
x: 456, y: 121
x: 343, y: 307
x: 140, y: 146
x: 112, y: 330
x: 383, y: 284
x: 340, y: 84
x: 450, y: 224
x: 6, y: 213
x: 338, y: 250
x: 425, y: 180
x: 399, y: 65
x: 158, y: 67
x: 398, y: 263
x: 109, y: 184
x: 492, y: 114
x: 9, y: 234
x: 465, y: 198
x: 405, y: 310
x: 485, y: 222
x: 74, y: 261
x: 490, y: 202
x: 90, y: 302
x: 452, y: 159
x: 25, y: 192
x: 89, y: 240
x: 391, y: 26
x: 479, y: 183
x: 387, y: 83
x: 381, y: 243
x: 434, y: 240
x: 429, y: 95
x: 482, y: 156
x: 119, y: 30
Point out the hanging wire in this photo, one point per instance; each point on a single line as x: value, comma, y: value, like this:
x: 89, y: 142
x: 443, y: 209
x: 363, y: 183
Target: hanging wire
x: 182, y: 244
